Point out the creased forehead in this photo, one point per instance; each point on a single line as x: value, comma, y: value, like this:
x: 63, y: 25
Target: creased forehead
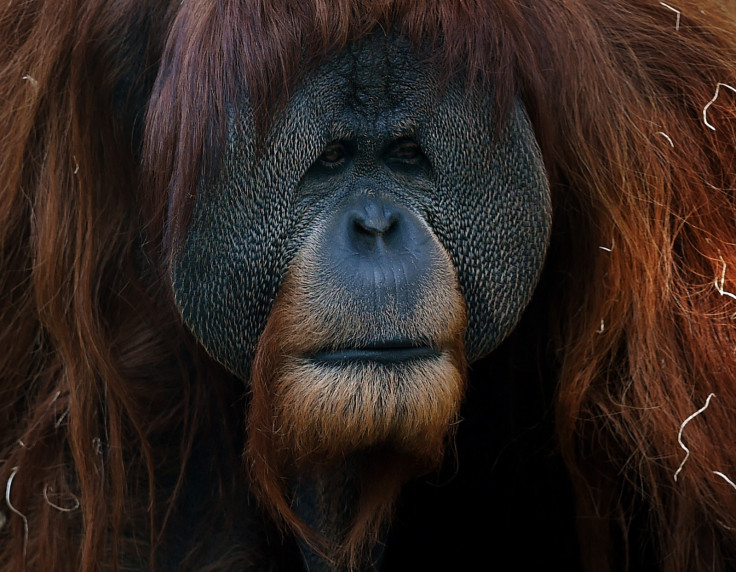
x: 378, y: 85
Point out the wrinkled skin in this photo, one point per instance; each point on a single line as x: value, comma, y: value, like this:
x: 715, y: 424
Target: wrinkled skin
x: 395, y: 224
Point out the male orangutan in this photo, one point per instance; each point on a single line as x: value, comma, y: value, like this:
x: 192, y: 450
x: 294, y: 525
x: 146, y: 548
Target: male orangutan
x: 367, y: 285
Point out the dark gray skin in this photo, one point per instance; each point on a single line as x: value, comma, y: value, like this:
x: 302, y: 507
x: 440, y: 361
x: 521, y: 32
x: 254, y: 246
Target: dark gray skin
x: 372, y: 131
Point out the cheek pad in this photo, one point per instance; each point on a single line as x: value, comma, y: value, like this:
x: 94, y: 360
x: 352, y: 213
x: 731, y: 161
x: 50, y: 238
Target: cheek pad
x: 494, y: 215
x: 226, y: 275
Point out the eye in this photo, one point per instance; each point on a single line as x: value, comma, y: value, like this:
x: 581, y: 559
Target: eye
x: 406, y: 151
x: 334, y: 155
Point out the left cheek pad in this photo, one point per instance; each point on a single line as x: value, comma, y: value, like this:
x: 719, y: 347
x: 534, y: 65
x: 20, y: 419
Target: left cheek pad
x: 495, y: 212
x: 226, y: 275
x: 227, y: 272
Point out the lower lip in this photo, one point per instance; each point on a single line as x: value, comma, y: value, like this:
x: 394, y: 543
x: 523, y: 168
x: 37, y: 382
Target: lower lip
x: 383, y: 355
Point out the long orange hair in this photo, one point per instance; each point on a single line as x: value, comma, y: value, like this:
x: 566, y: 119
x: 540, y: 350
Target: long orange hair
x: 95, y: 368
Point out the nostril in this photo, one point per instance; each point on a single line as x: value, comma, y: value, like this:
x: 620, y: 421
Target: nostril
x: 376, y: 225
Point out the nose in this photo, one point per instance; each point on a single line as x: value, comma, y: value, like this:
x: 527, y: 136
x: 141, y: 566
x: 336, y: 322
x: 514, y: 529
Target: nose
x: 374, y: 225
x: 380, y: 251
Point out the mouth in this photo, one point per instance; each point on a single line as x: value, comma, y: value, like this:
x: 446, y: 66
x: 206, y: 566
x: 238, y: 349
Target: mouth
x: 391, y: 352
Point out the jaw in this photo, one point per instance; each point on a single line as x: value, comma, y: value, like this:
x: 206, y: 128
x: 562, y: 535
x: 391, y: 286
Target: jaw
x: 325, y: 411
x: 331, y: 441
x: 330, y: 446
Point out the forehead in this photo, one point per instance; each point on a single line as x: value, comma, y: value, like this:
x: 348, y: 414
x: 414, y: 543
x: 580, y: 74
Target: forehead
x: 377, y: 85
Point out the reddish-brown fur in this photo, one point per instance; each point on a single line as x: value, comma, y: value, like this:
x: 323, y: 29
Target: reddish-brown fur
x: 89, y: 381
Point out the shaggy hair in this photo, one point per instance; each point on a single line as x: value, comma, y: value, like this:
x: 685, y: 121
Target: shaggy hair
x: 102, y: 394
